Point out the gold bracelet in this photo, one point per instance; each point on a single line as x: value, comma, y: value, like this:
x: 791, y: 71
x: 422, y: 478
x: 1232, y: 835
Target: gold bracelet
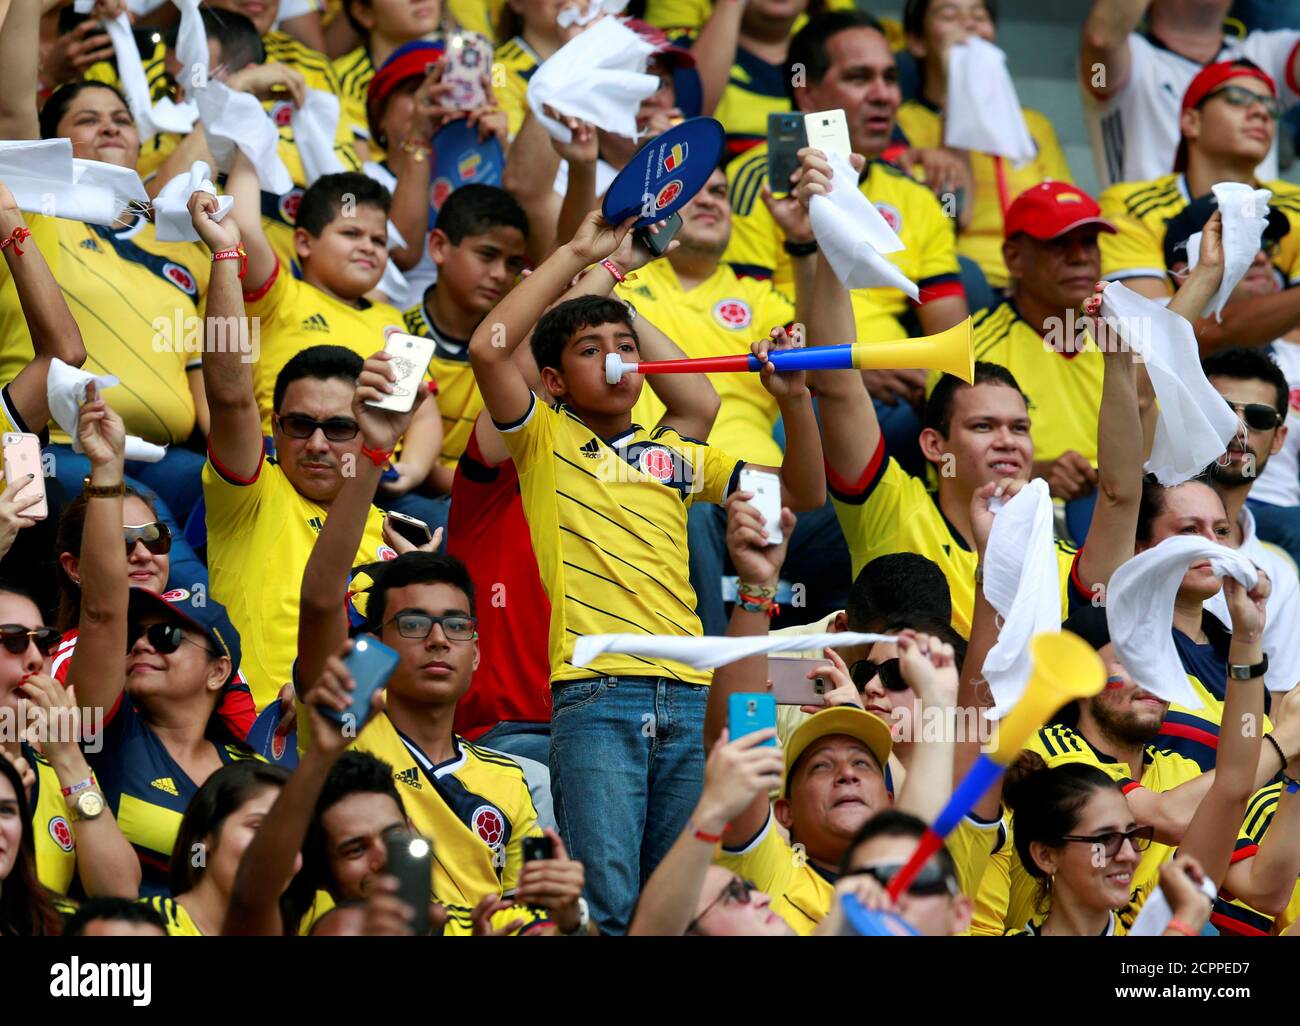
x: 419, y: 152
x: 102, y: 491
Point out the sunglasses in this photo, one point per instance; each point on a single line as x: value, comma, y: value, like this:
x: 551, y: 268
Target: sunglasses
x: 164, y: 638
x: 931, y: 881
x: 736, y: 892
x: 455, y: 626
x: 1111, y: 841
x: 1258, y: 416
x: 337, y: 429
x: 1240, y: 96
x: 15, y: 637
x: 156, y: 537
x: 865, y: 670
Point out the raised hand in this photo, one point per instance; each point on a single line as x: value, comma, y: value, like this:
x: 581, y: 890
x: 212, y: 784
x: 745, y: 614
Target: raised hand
x: 735, y: 773
x: 981, y: 514
x: 554, y: 884
x: 13, y: 517
x: 270, y: 81
x: 929, y: 668
x: 1247, y: 607
x: 101, y: 432
x: 756, y: 561
x: 402, y: 545
x: 381, y: 428
x: 836, y: 672
x: 596, y: 238
x: 216, y: 235
x: 780, y: 384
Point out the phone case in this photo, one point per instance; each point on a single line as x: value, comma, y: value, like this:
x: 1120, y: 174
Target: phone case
x: 790, y: 683
x: 22, y: 456
x: 748, y: 712
x: 415, y: 531
x: 786, y: 135
x: 828, y: 131
x: 469, y: 58
x: 411, y: 355
x: 657, y: 242
x: 766, y: 488
x: 371, y: 663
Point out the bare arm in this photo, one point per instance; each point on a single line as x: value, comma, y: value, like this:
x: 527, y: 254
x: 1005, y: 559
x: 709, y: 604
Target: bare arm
x: 715, y: 51
x: 411, y: 157
x: 1105, y: 44
x: 19, y: 63
x: 941, y: 314
x: 529, y: 176
x: 928, y: 668
x: 1266, y: 881
x: 242, y: 183
x: 191, y: 148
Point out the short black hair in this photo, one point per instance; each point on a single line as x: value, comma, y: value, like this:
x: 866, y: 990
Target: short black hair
x: 1250, y: 364
x: 355, y: 772
x: 240, y: 43
x: 415, y: 568
x: 323, y: 201
x: 899, y: 585
x: 321, y: 362
x: 808, y: 51
x: 558, y: 325
x: 938, y: 408
x: 896, y: 823
x: 60, y: 100
x: 916, y: 10
x: 120, y: 910
x: 475, y: 209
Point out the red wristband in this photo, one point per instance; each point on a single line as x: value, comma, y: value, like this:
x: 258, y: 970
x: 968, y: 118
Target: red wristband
x: 379, y: 457
x: 1181, y: 927
x: 18, y: 235
x: 700, y: 835
x: 237, y: 253
x: 614, y: 269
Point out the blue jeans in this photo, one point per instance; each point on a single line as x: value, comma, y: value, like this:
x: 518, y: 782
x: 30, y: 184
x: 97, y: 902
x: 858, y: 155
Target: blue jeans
x: 627, y: 768
x: 173, y: 483
x: 529, y: 744
x: 1279, y: 525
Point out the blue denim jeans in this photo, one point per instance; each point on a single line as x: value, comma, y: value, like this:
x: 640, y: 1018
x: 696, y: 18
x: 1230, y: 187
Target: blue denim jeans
x: 627, y: 768
x: 1279, y: 525
x: 529, y: 744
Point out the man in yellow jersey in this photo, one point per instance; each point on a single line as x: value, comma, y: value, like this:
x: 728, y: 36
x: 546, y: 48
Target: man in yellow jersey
x: 1271, y: 830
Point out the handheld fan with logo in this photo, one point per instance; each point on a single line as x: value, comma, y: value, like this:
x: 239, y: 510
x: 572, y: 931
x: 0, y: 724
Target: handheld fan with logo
x: 666, y: 173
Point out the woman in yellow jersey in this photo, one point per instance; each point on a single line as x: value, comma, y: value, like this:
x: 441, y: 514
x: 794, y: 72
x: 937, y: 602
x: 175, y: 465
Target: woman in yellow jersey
x: 26, y: 906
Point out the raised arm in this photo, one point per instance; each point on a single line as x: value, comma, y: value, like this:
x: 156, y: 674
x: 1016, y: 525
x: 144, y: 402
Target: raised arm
x: 411, y: 158
x: 715, y: 51
x: 529, y: 176
x: 928, y: 667
x: 802, y: 471
x: 19, y: 62
x: 1104, y: 60
x: 1267, y: 879
x: 242, y: 183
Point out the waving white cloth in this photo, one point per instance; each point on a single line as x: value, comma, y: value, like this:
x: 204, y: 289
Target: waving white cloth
x: 1140, y: 610
x: 46, y: 179
x: 579, y: 16
x: 1022, y: 582
x: 1244, y: 211
x: 315, y: 125
x: 65, y: 388
x: 1195, y: 425
x: 708, y: 652
x: 598, y: 76
x: 171, y: 215
x: 984, y: 112
x: 853, y: 234
x: 1156, y: 915
x: 150, y: 119
x: 238, y: 119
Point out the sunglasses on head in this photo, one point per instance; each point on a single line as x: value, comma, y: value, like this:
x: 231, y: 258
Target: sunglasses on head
x: 865, y: 670
x: 1240, y: 96
x: 15, y: 637
x: 1112, y: 840
x: 455, y: 626
x: 299, y: 425
x: 155, y: 537
x: 164, y: 638
x: 1258, y: 416
x: 736, y: 892
x: 930, y: 881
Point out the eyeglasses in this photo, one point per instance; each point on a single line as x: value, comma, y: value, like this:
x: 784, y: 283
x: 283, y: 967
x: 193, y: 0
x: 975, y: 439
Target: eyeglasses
x: 929, y: 882
x: 455, y: 626
x: 736, y: 892
x: 164, y: 638
x: 1240, y: 96
x: 337, y: 429
x: 15, y: 637
x: 156, y: 537
x: 865, y: 670
x: 1258, y: 416
x: 1111, y: 841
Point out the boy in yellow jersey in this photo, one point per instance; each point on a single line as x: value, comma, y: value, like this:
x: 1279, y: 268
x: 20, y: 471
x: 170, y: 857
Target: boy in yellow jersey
x: 606, y: 503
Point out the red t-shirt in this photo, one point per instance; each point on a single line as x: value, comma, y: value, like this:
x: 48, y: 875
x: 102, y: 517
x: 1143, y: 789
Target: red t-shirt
x: 486, y: 529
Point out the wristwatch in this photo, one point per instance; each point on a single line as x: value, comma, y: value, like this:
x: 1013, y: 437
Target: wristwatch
x: 86, y: 805
x: 1240, y: 671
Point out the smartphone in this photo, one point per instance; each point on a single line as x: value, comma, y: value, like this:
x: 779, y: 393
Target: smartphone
x: 469, y: 59
x: 22, y: 456
x: 748, y: 712
x: 371, y: 663
x: 657, y: 242
x: 415, y: 531
x: 790, y: 683
x: 766, y: 489
x: 411, y: 355
x: 828, y: 131
x: 410, y: 861
x: 538, y: 849
x: 786, y: 136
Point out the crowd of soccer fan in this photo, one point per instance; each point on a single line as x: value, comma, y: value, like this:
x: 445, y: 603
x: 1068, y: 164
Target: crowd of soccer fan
x: 609, y: 796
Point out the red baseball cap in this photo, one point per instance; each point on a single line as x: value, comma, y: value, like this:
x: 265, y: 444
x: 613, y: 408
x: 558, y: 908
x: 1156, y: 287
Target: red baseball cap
x: 1208, y: 79
x: 1050, y: 209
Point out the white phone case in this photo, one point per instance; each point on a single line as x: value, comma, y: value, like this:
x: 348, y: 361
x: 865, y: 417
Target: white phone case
x: 766, y: 489
x: 410, y: 360
x: 828, y: 131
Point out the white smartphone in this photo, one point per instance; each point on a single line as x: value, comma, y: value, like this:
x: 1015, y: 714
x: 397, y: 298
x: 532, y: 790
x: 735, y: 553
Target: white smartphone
x: 411, y: 355
x: 790, y: 683
x: 766, y: 489
x: 413, y: 530
x: 22, y: 456
x: 828, y: 131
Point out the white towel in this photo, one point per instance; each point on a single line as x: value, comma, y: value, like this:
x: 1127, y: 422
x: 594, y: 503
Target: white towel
x: 578, y: 16
x: 983, y: 112
x: 65, y: 389
x: 853, y: 234
x: 238, y: 118
x: 46, y: 179
x: 707, y: 652
x: 1244, y: 211
x: 1022, y: 582
x: 1194, y: 425
x: 315, y: 125
x: 150, y: 119
x: 171, y: 215
x: 1140, y: 610
x: 598, y: 76
x: 1156, y: 914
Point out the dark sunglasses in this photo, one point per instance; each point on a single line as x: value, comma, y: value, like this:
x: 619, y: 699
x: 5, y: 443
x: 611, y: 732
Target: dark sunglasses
x: 1258, y: 416
x: 736, y: 892
x: 864, y: 671
x: 15, y: 637
x: 1240, y: 96
x: 337, y: 429
x: 1111, y: 841
x: 164, y: 638
x: 156, y: 537
x: 931, y: 881
x: 456, y: 627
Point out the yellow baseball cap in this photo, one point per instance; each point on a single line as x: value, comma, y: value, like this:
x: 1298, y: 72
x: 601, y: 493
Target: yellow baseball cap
x: 849, y: 720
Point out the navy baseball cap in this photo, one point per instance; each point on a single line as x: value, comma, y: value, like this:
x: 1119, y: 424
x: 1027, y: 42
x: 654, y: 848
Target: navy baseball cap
x: 197, y: 610
x: 1191, y: 219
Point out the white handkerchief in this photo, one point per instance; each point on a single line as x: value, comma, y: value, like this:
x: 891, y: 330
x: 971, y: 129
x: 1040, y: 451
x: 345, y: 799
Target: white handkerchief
x: 45, y: 179
x: 130, y: 73
x: 171, y: 216
x: 1022, y: 582
x: 240, y: 119
x: 1194, y: 425
x: 1245, y: 213
x: 984, y: 113
x: 1140, y: 610
x: 1156, y: 915
x: 598, y: 76
x: 143, y: 7
x: 708, y: 652
x: 578, y: 16
x: 853, y: 234
x: 315, y: 124
x: 65, y: 389
x: 85, y: 6
x: 191, y: 48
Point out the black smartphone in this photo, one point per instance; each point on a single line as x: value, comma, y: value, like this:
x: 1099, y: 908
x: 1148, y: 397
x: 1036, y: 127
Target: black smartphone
x: 786, y: 136
x: 657, y: 242
x: 537, y: 849
x: 410, y: 861
x: 415, y: 531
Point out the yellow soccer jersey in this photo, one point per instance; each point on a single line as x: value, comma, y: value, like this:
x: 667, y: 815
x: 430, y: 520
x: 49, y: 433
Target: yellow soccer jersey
x: 177, y: 921
x: 294, y: 316
x: 1233, y: 916
x: 260, y: 536
x: 721, y: 316
x: 997, y: 181
x: 477, y: 810
x: 479, y: 16
x: 608, y: 523
x: 678, y: 15
x: 136, y: 301
x: 354, y: 70
x: 929, y: 259
x: 802, y: 894
x: 889, y: 510
x: 459, y: 401
x: 514, y: 64
x: 51, y: 826
x: 1140, y: 210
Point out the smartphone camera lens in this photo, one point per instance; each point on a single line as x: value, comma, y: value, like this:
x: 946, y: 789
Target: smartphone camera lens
x: 751, y: 707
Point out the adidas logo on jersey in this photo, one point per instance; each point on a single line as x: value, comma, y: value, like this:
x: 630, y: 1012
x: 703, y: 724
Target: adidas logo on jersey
x: 409, y: 777
x: 316, y: 322
x: 90, y: 244
x: 165, y: 784
x: 591, y: 450
x: 316, y: 523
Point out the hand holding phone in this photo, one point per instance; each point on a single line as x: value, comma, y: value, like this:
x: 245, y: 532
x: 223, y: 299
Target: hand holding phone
x: 766, y: 489
x: 415, y: 531
x: 411, y: 355
x: 791, y: 684
x: 22, y: 456
x: 370, y: 663
x: 748, y: 713
x: 828, y: 131
x: 410, y: 860
x: 657, y: 242
x: 786, y: 136
x: 538, y: 849
x: 468, y: 62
